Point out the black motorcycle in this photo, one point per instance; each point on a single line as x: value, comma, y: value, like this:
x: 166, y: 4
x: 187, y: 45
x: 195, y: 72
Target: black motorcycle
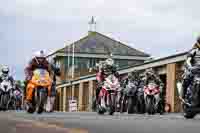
x: 140, y: 105
x: 129, y: 98
x: 191, y: 103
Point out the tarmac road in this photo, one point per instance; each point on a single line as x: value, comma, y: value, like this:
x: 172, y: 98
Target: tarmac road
x: 90, y: 122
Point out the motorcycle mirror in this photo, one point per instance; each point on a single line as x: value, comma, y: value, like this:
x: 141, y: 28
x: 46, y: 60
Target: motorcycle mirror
x: 179, y: 88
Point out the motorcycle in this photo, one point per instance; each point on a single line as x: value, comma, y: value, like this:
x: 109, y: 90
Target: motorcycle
x: 152, y: 98
x: 129, y: 98
x: 17, y: 99
x: 5, y: 94
x: 41, y: 80
x: 190, y: 103
x: 107, y: 98
x: 140, y: 105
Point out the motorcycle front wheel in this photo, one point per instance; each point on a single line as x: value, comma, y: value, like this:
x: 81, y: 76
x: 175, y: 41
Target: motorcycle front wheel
x: 111, y: 107
x: 4, y: 102
x: 123, y: 104
x: 187, y: 112
x: 150, y: 105
x: 130, y: 105
x: 100, y: 110
x: 41, y: 99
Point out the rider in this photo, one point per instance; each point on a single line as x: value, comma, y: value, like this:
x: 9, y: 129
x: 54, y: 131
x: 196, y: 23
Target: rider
x: 18, y: 87
x: 151, y: 77
x: 133, y: 76
x: 5, y: 75
x: 193, y: 60
x: 17, y: 92
x: 39, y: 61
x: 106, y: 68
x: 56, y: 72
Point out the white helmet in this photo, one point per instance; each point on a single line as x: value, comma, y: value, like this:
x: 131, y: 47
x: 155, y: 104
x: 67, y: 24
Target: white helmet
x: 5, y: 70
x: 40, y: 54
x: 110, y: 61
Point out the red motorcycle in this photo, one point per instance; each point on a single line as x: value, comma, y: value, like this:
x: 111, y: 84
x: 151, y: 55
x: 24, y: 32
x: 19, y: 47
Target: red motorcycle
x: 107, y: 97
x: 152, y: 98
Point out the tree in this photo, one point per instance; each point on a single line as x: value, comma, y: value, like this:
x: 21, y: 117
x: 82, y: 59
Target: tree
x: 21, y: 84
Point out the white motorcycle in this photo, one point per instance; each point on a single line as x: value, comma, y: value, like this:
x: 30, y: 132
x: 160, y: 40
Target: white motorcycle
x: 5, y: 94
x: 108, y: 95
x: 152, y: 98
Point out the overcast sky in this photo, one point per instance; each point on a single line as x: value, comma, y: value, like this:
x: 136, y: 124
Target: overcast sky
x: 158, y: 27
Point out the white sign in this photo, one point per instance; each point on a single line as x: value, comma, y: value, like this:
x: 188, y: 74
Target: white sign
x: 73, y: 106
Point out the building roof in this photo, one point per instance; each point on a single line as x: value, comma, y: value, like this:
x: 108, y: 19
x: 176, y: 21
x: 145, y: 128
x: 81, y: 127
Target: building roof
x: 97, y: 43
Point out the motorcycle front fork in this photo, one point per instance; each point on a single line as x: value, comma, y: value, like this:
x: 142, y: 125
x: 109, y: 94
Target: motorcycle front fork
x: 105, y: 100
x: 157, y: 97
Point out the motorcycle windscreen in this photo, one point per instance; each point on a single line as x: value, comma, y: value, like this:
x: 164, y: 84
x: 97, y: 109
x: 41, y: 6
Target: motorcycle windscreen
x: 152, y: 86
x: 41, y: 77
x: 6, y: 86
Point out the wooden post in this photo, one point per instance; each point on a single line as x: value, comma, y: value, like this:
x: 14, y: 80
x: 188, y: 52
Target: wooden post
x: 171, y: 85
x: 64, y: 99
x: 73, y: 90
x: 60, y: 100
x: 80, y: 103
x: 91, y: 89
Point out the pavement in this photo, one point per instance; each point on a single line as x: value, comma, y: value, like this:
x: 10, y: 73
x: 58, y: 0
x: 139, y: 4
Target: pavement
x: 91, y: 122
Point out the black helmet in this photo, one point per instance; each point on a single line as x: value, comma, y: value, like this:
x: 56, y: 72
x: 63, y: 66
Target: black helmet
x: 197, y: 44
x: 198, y: 39
x: 150, y: 71
x: 133, y: 75
x: 129, y: 75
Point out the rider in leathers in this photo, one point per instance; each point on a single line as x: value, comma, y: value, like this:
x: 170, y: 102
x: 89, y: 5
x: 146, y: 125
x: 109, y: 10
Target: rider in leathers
x: 5, y: 76
x: 133, y: 77
x: 193, y: 60
x: 39, y: 61
x: 105, y: 69
x: 151, y: 77
x: 55, y: 72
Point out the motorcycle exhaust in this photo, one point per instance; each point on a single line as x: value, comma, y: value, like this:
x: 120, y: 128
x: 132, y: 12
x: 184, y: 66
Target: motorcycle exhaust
x: 179, y: 88
x: 48, y: 104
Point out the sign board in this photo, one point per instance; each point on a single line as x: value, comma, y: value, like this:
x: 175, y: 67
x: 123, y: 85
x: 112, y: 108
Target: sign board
x: 73, y: 105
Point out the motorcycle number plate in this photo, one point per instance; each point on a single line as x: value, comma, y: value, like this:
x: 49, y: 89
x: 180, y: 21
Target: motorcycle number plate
x: 151, y: 88
x: 42, y: 81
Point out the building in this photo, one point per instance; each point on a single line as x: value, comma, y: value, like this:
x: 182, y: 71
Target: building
x: 169, y: 69
x: 91, y: 49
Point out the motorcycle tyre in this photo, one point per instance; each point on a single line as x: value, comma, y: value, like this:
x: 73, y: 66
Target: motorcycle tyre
x: 150, y: 106
x: 130, y: 105
x: 41, y: 101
